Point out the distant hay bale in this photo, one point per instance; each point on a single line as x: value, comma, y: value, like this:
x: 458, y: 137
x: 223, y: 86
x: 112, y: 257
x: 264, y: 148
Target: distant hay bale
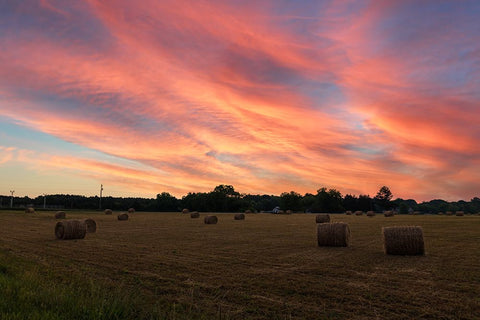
x: 403, y: 240
x: 281, y: 212
x: 335, y: 234
x: 131, y: 210
x: 440, y: 213
x: 194, y: 215
x: 289, y: 212
x: 416, y: 213
x: 60, y: 215
x: 108, y: 211
x: 388, y: 214
x: 90, y: 225
x: 210, y: 220
x: 29, y: 210
x: 358, y: 213
x: 371, y: 214
x: 185, y: 210
x: 448, y: 213
x: 248, y: 211
x: 459, y: 213
x: 70, y: 229
x: 322, y: 218
x: 122, y: 216
x: 239, y: 216
x: 348, y: 213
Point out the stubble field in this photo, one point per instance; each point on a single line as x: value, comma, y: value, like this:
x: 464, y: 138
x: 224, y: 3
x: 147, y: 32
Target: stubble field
x: 170, y: 266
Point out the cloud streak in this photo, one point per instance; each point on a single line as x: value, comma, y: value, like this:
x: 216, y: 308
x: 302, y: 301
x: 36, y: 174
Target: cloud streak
x: 267, y: 97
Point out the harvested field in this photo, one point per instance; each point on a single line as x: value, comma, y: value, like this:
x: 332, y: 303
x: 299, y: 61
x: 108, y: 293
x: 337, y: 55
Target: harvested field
x: 267, y: 267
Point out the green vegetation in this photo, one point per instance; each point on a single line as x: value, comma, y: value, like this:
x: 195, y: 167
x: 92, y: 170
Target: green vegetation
x: 268, y: 266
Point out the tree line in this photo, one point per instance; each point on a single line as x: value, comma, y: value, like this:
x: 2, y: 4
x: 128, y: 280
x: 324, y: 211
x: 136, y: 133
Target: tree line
x: 224, y: 198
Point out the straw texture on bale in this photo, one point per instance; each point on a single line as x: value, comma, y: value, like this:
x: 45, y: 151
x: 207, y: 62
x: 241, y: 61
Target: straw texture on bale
x: 459, y: 213
x: 406, y: 240
x: 122, y: 216
x: 185, y: 210
x: 90, y: 225
x: 322, y: 218
x: 70, y: 229
x: 358, y: 213
x: 210, y: 220
x: 29, y: 210
x: 108, y: 211
x: 60, y: 215
x: 239, y: 216
x: 370, y: 213
x: 336, y: 234
x: 388, y: 214
x: 194, y: 214
x: 131, y: 210
x: 348, y: 213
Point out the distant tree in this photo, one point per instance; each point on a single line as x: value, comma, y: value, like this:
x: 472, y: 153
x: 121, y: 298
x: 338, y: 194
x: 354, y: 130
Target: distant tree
x: 166, y: 202
x: 291, y: 201
x: 383, y: 198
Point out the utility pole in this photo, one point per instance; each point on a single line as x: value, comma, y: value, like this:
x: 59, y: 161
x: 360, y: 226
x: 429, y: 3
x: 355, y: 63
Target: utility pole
x: 11, y: 199
x: 44, y: 200
x: 101, y: 190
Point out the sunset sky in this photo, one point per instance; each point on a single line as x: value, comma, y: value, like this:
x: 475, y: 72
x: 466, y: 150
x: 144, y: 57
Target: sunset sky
x: 177, y: 96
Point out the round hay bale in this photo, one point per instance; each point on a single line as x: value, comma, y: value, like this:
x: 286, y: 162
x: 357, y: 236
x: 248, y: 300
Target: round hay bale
x: 403, y: 240
x: 336, y: 234
x: 388, y: 214
x: 348, y: 213
x: 371, y: 214
x: 210, y: 220
x: 248, y: 211
x: 108, y: 211
x: 70, y: 229
x: 459, y: 213
x: 440, y: 213
x: 122, y: 216
x: 60, y: 215
x: 289, y: 212
x: 90, y: 225
x: 358, y: 213
x: 194, y: 214
x: 416, y: 213
x: 448, y: 213
x: 239, y: 216
x: 131, y: 210
x: 322, y: 218
x: 281, y: 212
x: 185, y: 210
x: 29, y: 210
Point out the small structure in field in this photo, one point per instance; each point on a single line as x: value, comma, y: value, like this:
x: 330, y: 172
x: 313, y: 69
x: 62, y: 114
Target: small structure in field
x: 194, y: 214
x: 70, y: 229
x: 122, y: 216
x: 185, y: 210
x: 405, y: 240
x: 210, y: 220
x: 90, y: 225
x: 60, y: 215
x: 239, y: 216
x: 371, y: 214
x: 336, y: 234
x: 131, y: 210
x: 108, y: 211
x: 459, y: 213
x: 322, y: 218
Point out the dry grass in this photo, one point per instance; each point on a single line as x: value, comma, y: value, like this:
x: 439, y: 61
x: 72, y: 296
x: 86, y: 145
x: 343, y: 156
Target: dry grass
x: 322, y: 218
x: 267, y: 267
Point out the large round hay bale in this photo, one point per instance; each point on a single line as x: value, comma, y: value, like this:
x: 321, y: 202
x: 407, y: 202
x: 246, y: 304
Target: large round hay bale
x: 322, y: 218
x: 70, y: 229
x: 185, y: 210
x: 90, y: 225
x: 388, y: 214
x: 459, y: 213
x: 336, y: 234
x: 122, y: 216
x: 194, y: 214
x: 108, y: 211
x: 239, y: 216
x: 358, y: 213
x: 371, y: 214
x: 403, y: 240
x: 348, y: 213
x: 210, y: 220
x: 60, y: 215
x: 29, y: 210
x: 131, y: 210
